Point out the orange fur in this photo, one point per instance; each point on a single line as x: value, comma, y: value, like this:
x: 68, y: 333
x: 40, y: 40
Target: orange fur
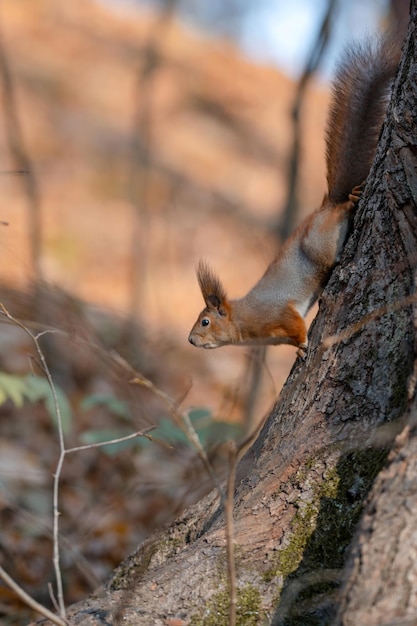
x: 273, y: 310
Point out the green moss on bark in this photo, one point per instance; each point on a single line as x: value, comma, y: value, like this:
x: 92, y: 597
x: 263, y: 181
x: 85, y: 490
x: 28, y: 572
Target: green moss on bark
x: 333, y: 512
x: 216, y: 612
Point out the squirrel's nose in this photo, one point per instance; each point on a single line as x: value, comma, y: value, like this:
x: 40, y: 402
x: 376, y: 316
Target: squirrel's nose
x: 190, y: 339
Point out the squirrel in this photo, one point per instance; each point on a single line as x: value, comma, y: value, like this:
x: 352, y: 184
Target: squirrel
x: 273, y: 310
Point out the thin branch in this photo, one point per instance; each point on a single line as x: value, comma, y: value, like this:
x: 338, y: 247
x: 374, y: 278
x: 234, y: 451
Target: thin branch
x: 319, y: 46
x: 255, y: 364
x: 140, y: 433
x: 181, y: 419
x: 141, y: 157
x: 235, y: 453
x: 63, y: 451
x: 58, y: 575
x: 52, y: 596
x: 80, y: 561
x: 55, y: 531
x: 230, y: 535
x: 30, y: 601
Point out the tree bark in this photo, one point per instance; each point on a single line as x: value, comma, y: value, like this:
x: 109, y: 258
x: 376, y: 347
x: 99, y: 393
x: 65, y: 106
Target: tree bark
x: 303, y: 484
x: 381, y: 574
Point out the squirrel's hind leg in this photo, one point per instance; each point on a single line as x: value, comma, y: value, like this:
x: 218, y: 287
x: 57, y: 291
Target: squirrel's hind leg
x: 356, y: 193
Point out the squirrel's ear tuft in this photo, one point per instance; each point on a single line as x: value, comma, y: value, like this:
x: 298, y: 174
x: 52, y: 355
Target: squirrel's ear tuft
x: 213, y: 291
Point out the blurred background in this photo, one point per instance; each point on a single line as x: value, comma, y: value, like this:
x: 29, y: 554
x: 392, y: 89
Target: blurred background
x: 135, y: 139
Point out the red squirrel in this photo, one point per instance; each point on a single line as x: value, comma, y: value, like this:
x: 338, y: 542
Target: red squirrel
x: 273, y: 310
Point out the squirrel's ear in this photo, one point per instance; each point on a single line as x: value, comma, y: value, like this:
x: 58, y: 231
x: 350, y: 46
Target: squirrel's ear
x: 213, y: 292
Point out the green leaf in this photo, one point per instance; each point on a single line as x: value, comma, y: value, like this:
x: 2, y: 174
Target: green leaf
x: 219, y: 432
x: 169, y: 432
x: 209, y: 430
x: 64, y: 407
x: 13, y: 388
x: 39, y: 390
x: 35, y: 389
x: 200, y: 414
x: 111, y: 403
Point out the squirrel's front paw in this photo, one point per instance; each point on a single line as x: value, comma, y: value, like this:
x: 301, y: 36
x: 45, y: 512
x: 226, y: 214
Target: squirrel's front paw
x: 302, y: 351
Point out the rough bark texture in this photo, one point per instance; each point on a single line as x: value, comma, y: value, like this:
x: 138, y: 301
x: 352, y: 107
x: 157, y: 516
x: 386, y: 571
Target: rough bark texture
x: 381, y: 573
x: 381, y: 587
x: 304, y: 482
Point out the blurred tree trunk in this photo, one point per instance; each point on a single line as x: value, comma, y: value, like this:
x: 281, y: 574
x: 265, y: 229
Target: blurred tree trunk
x: 303, y: 484
x: 288, y: 216
x: 22, y: 162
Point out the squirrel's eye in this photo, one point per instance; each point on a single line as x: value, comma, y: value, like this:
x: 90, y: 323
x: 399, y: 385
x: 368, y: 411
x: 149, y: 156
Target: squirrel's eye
x: 205, y: 321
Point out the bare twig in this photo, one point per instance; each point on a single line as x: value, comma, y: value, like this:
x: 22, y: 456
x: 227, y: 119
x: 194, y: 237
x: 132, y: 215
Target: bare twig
x: 235, y: 453
x: 256, y: 362
x: 140, y: 161
x: 100, y: 444
x: 52, y: 596
x: 182, y: 420
x: 317, y: 51
x: 30, y: 601
x: 230, y: 536
x: 44, y: 365
x: 33, y: 519
x: 63, y: 452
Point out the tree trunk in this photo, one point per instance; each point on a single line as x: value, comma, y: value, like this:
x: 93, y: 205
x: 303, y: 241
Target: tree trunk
x: 381, y: 574
x: 303, y: 484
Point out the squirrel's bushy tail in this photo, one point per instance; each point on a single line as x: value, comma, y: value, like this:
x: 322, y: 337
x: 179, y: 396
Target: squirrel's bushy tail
x: 359, y: 101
